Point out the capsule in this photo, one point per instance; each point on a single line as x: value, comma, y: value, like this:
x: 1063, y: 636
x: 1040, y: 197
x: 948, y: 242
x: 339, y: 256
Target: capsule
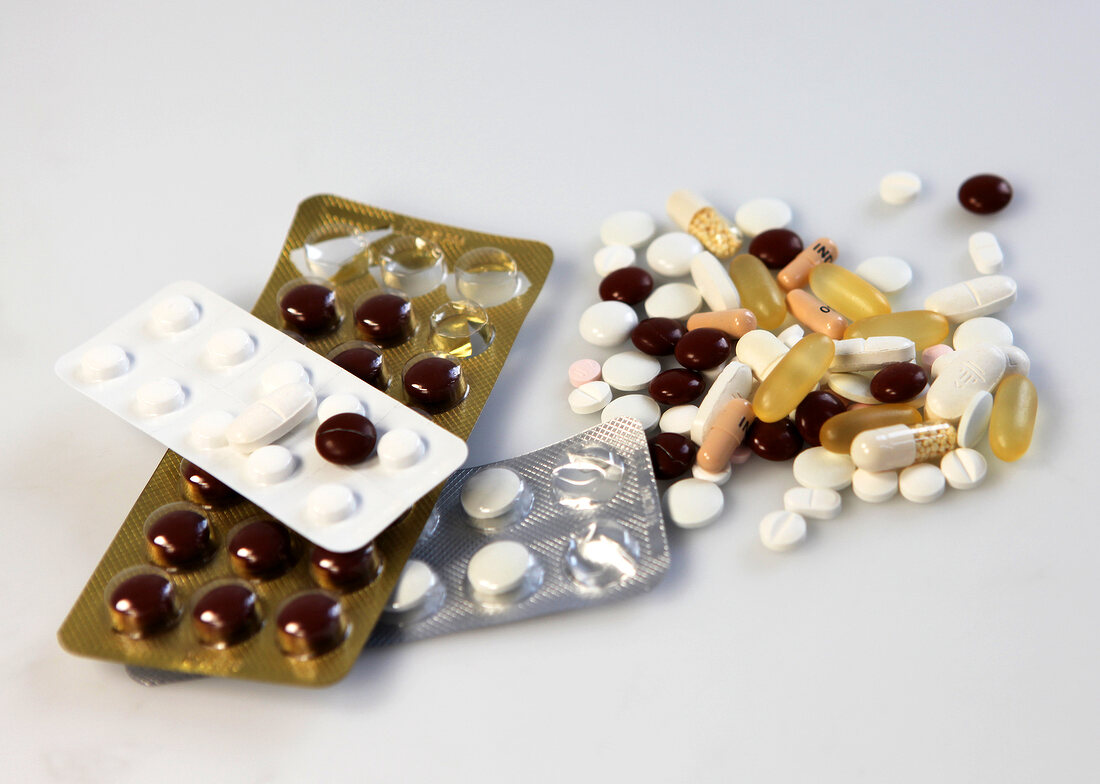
x: 725, y: 435
x: 797, y: 272
x: 815, y: 314
x: 758, y: 290
x: 793, y: 378
x: 761, y: 351
x: 924, y: 327
x: 736, y: 322
x: 1013, y: 417
x: 697, y: 217
x: 839, y: 431
x: 898, y: 446
x: 847, y: 292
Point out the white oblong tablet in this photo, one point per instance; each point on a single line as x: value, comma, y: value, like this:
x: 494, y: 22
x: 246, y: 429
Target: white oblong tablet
x: 500, y: 568
x: 759, y: 215
x: 782, y: 530
x: 818, y: 503
x: 735, y: 380
x: 271, y: 417
x: 629, y: 227
x: 208, y: 429
x: 855, y: 354
x: 608, y: 323
x: 613, y: 257
x: 417, y: 582
x: 921, y: 483
x: 791, y: 335
x: 899, y: 187
x: 985, y: 252
x: 330, y: 503
x: 270, y: 464
x: 400, y: 448
x: 874, y: 487
x: 678, y: 419
x: 590, y: 398
x: 640, y: 407
x: 158, y: 397
x: 982, y: 296
x: 491, y: 492
x: 693, y: 503
x: 974, y: 421
x: 982, y: 331
x: 629, y: 371
x: 888, y: 274
x: 716, y: 477
x: 340, y: 403
x: 230, y: 347
x: 818, y: 467
x: 174, y: 314
x: 958, y: 376
x: 714, y: 283
x: 671, y: 254
x: 852, y: 386
x: 282, y: 373
x: 104, y: 362
x: 963, y: 468
x: 674, y: 301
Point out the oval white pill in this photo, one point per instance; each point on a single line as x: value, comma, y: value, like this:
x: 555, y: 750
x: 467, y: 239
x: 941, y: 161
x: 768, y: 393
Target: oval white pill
x: 874, y: 487
x: 640, y: 407
x: 855, y: 354
x: 340, y: 403
x: 714, y: 283
x: 761, y: 351
x: 629, y: 227
x: 417, y: 582
x: 985, y: 252
x: 888, y: 274
x: 759, y: 215
x: 963, y: 468
x: 984, y: 330
x: 104, y: 362
x: 613, y: 257
x: 921, y: 483
x: 1016, y: 360
x: 271, y: 417
x: 491, y: 492
x: 174, y: 314
x: 852, y: 386
x: 608, y: 323
x: 671, y: 254
x: 678, y: 419
x: 719, y: 478
x: 330, y: 503
x: 590, y: 398
x: 674, y: 301
x: 791, y: 335
x: 270, y: 464
x: 972, y: 298
x: 735, y: 380
x: 208, y: 429
x: 899, y: 187
x: 400, y: 448
x: 158, y: 397
x: 693, y: 503
x: 818, y: 467
x: 815, y: 502
x: 781, y: 530
x: 282, y: 373
x: 975, y: 419
x: 500, y: 568
x: 959, y: 376
x: 629, y: 371
x: 230, y: 347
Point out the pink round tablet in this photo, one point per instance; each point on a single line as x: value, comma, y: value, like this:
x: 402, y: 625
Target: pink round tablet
x: 741, y: 454
x: 584, y: 370
x: 932, y: 353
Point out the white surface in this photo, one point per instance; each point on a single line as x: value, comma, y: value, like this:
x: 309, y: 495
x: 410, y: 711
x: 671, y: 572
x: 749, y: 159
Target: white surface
x: 757, y: 216
x: 902, y: 643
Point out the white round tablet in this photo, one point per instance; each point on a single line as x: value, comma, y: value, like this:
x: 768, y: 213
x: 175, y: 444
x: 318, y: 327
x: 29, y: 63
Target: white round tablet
x: 975, y: 419
x: 174, y: 314
x: 330, y: 503
x: 853, y: 386
x: 640, y: 407
x: 671, y: 254
x: 400, y: 448
x: 818, y: 503
x: 693, y: 503
x: 230, y: 347
x: 818, y: 467
x: 963, y: 468
x: 590, y: 398
x: 159, y: 396
x: 899, y: 187
x: 340, y: 403
x: 629, y: 371
x: 270, y: 464
x: 874, y: 487
x: 500, y: 568
x: 282, y: 373
x: 982, y: 330
x: 759, y: 215
x: 782, y: 530
x: 674, y: 301
x: 888, y: 274
x: 678, y: 419
x: 104, y: 362
x: 208, y: 429
x: 717, y: 477
x: 608, y: 323
x: 613, y: 257
x: 629, y: 227
x: 417, y: 583
x: 921, y: 483
x: 491, y: 492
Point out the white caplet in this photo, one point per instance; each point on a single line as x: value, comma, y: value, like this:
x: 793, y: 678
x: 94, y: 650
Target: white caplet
x: 975, y: 419
x: 855, y: 354
x: 819, y: 503
x: 714, y: 283
x: 972, y: 298
x: 271, y: 417
x: 958, y: 376
x: 761, y: 351
x: 986, y: 252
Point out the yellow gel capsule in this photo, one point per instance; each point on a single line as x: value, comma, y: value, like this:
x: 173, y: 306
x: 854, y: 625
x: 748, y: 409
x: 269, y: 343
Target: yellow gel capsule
x: 847, y: 293
x: 1013, y: 417
x: 923, y: 327
x: 839, y: 431
x: 759, y: 291
x: 793, y: 377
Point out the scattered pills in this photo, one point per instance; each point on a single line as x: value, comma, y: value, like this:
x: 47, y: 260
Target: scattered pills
x: 671, y: 254
x: 898, y: 446
x: 584, y: 370
x: 888, y: 274
x: 613, y: 257
x: 693, y: 503
x: 963, y: 468
x: 874, y: 487
x: 590, y: 398
x: 759, y: 215
x: 491, y: 492
x: 985, y: 252
x: 674, y: 301
x: 921, y: 483
x: 640, y: 407
x: 899, y: 187
x: 697, y: 217
x: 817, y: 503
x: 984, y: 194
x: 817, y: 467
x: 782, y: 530
x: 270, y: 464
x: 608, y: 323
x: 629, y: 371
x: 984, y: 330
x: 629, y: 227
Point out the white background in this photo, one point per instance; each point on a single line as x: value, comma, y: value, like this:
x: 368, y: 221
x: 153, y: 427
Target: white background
x: 955, y: 642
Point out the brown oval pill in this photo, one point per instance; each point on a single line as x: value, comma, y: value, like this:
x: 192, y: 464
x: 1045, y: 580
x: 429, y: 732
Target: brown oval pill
x: 142, y: 605
x: 225, y: 615
x: 672, y: 455
x: 815, y: 410
x: 657, y: 336
x: 629, y: 284
x: 898, y: 382
x: 775, y: 440
x: 703, y: 348
x: 345, y: 571
x: 434, y: 383
x: 985, y: 194
x: 310, y: 624
x: 676, y: 386
x: 202, y: 487
x: 345, y: 439
x: 310, y: 309
x: 776, y: 247
x: 178, y: 539
x: 362, y: 362
x: 261, y: 549
x: 736, y: 323
x: 385, y: 318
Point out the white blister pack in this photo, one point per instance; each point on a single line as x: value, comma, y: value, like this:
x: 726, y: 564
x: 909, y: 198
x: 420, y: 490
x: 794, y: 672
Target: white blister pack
x: 233, y: 394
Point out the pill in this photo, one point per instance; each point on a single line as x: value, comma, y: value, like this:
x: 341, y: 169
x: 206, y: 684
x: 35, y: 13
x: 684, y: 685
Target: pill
x: 158, y: 397
x: 793, y: 377
x: 674, y: 301
x: 400, y: 448
x: 726, y: 432
x: 817, y: 503
x: 796, y: 273
x: 415, y: 586
x: 985, y: 194
x: 898, y: 382
x: 362, y: 361
x: 782, y: 530
x: 839, y: 431
x: 678, y: 419
x: 791, y: 335
x: 270, y: 464
x: 672, y: 455
x: 491, y: 492
x: 640, y: 407
x: 775, y: 441
x: 814, y: 411
x: 271, y: 417
x: 174, y: 314
x: 776, y: 247
x: 677, y: 386
x: 963, y: 468
x: 761, y: 351
x: 1016, y: 360
x: 848, y: 293
x: 899, y: 187
x: 629, y: 371
x: 713, y: 282
x: 584, y: 370
x: 815, y: 314
x: 735, y: 381
x: 657, y: 336
x: 229, y: 347
x: 741, y: 455
x: 208, y: 429
x: 974, y: 421
x: 613, y: 257
x: 607, y: 323
x: 736, y: 322
x: 309, y: 309
x: 590, y: 398
x: 921, y: 483
x: 104, y: 362
x: 142, y: 604
x: 818, y: 467
x: 874, y: 487
x: 501, y: 569
x: 309, y: 624
x: 923, y: 327
x: 671, y: 254
x: 330, y: 503
x: 339, y: 403
x: 929, y: 356
x: 630, y: 285
x: 1013, y: 417
x: 693, y: 503
x: 703, y: 348
x: 759, y: 215
x: 282, y: 373
x: 719, y: 478
x: 629, y: 227
x: 758, y: 290
x: 982, y: 296
x: 346, y: 439
x: 888, y: 274
x: 985, y: 252
x: 982, y: 330
x: 958, y: 376
x: 898, y: 446
x: 697, y: 217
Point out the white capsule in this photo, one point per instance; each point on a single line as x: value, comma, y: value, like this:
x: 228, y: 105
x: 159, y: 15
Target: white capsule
x: 629, y: 227
x: 630, y: 371
x: 678, y: 419
x: 972, y: 298
x: 888, y: 274
x: 858, y: 354
x: 340, y: 403
x: 230, y: 347
x: 921, y: 483
x: 208, y: 429
x: 884, y: 448
x: 330, y: 503
x: 851, y: 386
x: 983, y: 330
x: 735, y: 380
x: 761, y: 351
x: 818, y: 503
x: 282, y: 373
x: 590, y: 398
x: 986, y: 252
x: 782, y: 530
x: 613, y: 257
x: 640, y: 407
x: 400, y: 448
x: 963, y: 468
x: 791, y: 335
x: 174, y: 314
x: 683, y: 205
x: 103, y: 363
x: 674, y: 301
x: 158, y: 397
x: 671, y: 254
x: 818, y: 467
x: 759, y: 215
x: 899, y: 187
x: 874, y: 487
x: 270, y: 464
x: 693, y: 503
x: 271, y: 417
x: 608, y: 323
x: 974, y: 421
x: 958, y: 376
x: 714, y: 283
x: 719, y: 478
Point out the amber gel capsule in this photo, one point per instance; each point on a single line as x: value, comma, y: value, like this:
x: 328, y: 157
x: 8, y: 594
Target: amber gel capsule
x: 1013, y: 417
x: 793, y: 377
x: 847, y: 292
x: 838, y: 432
x: 924, y: 327
x: 758, y: 290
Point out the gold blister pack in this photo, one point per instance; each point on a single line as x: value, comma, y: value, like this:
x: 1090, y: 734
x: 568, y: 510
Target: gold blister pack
x: 87, y: 630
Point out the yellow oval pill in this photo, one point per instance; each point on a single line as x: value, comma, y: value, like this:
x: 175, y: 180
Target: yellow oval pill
x: 793, y: 377
x: 923, y: 327
x: 839, y: 431
x: 759, y: 291
x: 846, y: 292
x: 1013, y: 417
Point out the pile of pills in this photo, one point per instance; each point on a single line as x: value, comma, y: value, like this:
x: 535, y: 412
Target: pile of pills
x: 782, y: 353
